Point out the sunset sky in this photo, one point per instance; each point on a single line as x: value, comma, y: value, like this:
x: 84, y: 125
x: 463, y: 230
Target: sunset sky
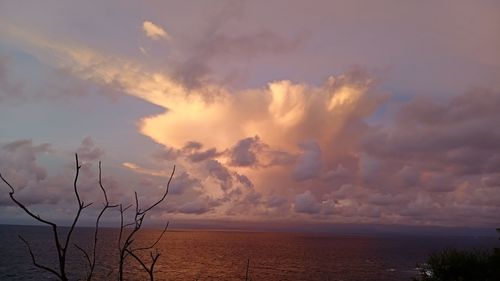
x: 292, y: 112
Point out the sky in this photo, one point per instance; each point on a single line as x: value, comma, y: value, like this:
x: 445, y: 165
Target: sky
x: 274, y: 112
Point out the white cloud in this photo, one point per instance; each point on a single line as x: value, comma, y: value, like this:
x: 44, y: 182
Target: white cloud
x: 154, y: 31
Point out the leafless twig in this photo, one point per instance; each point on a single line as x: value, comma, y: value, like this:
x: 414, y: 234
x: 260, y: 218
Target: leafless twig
x: 126, y: 248
x: 125, y: 242
x: 91, y: 260
x: 61, y: 248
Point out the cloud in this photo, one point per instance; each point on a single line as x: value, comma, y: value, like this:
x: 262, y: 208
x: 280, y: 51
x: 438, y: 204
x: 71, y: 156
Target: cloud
x: 141, y: 170
x: 252, y: 151
x: 18, y: 161
x: 275, y: 201
x: 88, y: 151
x: 309, y: 163
x: 199, y: 206
x: 195, y: 68
x: 221, y: 173
x: 203, y: 155
x: 10, y: 89
x: 306, y: 203
x: 458, y: 135
x: 244, y: 152
x: 217, y: 42
x: 19, y: 165
x: 154, y: 31
x: 264, y: 130
x: 182, y: 183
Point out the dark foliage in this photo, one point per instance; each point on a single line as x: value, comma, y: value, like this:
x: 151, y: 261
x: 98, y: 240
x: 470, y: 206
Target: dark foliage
x: 461, y: 265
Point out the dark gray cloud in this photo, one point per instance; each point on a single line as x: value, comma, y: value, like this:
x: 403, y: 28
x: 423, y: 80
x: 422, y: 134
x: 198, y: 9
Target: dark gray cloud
x: 192, y: 151
x: 199, y: 156
x: 18, y: 161
x: 244, y: 152
x: 308, y: 164
x: 166, y: 154
x: 275, y: 201
x: 461, y: 134
x: 221, y: 173
x: 306, y: 203
x: 198, y: 206
x: 218, y: 42
x: 244, y: 180
x: 193, y: 145
x: 19, y: 165
x: 182, y: 183
x: 253, y: 152
x: 195, y: 207
x: 88, y: 151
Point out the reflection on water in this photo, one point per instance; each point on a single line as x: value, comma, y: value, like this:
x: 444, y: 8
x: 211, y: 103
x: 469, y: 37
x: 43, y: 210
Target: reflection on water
x: 210, y: 255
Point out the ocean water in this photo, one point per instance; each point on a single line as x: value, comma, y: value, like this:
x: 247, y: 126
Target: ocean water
x: 220, y: 255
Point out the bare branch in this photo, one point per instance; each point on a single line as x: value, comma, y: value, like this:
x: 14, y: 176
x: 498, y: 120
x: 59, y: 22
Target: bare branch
x: 7, y: 183
x: 25, y: 209
x: 35, y: 263
x: 128, y: 224
x: 164, y: 194
x: 81, y: 206
x: 100, y: 184
x: 62, y: 274
x: 125, y: 241
x: 86, y: 205
x: 149, y: 270
x: 156, y: 242
x: 121, y: 226
x: 78, y: 166
x: 137, y: 258
x: 126, y: 248
x: 137, y: 209
x: 87, y: 257
x: 106, y: 206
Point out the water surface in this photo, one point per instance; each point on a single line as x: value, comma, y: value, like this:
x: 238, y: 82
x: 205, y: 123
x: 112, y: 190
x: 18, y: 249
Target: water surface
x: 219, y: 255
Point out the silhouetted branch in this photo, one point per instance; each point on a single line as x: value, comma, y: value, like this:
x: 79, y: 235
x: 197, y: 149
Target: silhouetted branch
x: 26, y: 210
x: 150, y: 269
x: 156, y: 242
x: 125, y: 242
x: 35, y: 262
x: 61, y: 249
x: 87, y: 258
x: 81, y: 204
x: 92, y: 261
x: 162, y: 198
x: 125, y: 248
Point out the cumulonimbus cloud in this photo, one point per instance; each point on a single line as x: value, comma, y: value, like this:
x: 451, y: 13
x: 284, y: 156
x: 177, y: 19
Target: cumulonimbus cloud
x: 293, y: 149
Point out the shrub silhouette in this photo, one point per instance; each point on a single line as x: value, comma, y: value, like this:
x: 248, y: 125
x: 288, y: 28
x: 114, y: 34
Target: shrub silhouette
x: 461, y: 265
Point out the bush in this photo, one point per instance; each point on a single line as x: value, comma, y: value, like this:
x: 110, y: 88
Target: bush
x: 460, y: 265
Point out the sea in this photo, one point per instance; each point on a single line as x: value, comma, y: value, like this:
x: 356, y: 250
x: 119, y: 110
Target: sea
x: 232, y: 255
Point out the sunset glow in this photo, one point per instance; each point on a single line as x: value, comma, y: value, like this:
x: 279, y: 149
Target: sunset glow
x: 290, y: 113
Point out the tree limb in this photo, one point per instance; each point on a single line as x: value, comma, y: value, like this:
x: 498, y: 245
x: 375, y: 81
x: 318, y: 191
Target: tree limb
x: 35, y: 263
x: 126, y: 248
x: 164, y: 194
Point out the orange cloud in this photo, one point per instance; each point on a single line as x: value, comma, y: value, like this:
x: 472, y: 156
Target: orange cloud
x: 294, y: 130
